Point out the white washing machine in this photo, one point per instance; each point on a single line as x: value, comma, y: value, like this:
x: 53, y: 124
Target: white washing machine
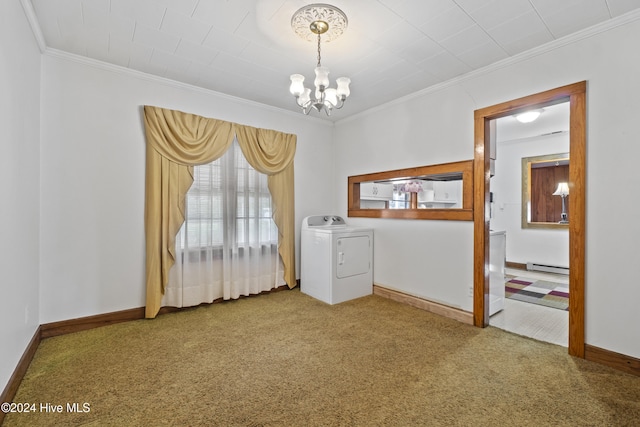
x: 336, y: 260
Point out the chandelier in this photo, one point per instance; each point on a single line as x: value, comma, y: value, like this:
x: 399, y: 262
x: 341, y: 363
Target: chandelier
x: 308, y: 22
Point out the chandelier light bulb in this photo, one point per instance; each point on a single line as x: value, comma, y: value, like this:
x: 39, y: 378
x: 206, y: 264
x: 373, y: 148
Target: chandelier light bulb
x: 297, y: 84
x: 305, y: 98
x: 343, y: 86
x: 331, y: 96
x: 322, y: 78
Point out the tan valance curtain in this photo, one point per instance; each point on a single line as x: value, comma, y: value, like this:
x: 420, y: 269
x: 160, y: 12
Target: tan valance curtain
x: 177, y: 141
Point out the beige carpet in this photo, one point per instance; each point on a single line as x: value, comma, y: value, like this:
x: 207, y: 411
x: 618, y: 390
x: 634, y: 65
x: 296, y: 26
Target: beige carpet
x: 285, y: 359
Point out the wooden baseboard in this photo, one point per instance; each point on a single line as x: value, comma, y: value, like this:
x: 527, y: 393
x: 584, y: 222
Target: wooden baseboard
x: 83, y: 323
x: 10, y: 390
x: 515, y: 265
x: 615, y: 360
x: 423, y: 304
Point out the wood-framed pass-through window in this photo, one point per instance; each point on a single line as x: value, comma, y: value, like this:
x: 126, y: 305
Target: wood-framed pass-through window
x: 441, y: 192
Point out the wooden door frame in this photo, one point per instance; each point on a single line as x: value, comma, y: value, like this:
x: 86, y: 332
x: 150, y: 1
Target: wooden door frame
x: 575, y: 94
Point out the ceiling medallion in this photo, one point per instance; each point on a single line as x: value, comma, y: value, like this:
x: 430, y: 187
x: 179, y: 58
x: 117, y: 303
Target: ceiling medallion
x: 326, y: 19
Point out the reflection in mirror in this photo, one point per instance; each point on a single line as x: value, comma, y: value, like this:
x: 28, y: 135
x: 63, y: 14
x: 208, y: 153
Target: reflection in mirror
x: 442, y: 191
x: 544, y: 190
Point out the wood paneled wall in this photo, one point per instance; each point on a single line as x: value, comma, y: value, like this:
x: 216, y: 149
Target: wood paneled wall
x: 545, y: 207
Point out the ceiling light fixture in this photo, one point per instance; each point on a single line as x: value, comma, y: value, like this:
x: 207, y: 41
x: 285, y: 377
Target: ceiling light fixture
x: 308, y: 22
x: 528, y: 116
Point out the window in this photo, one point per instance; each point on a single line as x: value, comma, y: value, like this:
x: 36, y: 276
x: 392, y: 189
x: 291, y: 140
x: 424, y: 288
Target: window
x: 228, y: 244
x: 229, y: 204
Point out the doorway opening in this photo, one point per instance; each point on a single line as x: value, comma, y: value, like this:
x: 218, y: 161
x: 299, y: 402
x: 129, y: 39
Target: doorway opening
x: 575, y: 94
x: 529, y: 243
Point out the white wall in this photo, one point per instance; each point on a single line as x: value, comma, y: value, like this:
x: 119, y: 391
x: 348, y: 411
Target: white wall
x: 550, y: 247
x: 434, y: 258
x: 19, y: 185
x: 430, y: 259
x: 93, y: 162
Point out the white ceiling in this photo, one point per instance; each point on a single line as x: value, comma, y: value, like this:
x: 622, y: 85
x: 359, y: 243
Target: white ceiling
x: 247, y: 49
x: 554, y: 119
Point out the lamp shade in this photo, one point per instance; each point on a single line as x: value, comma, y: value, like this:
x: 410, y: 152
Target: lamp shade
x: 562, y: 190
x: 305, y: 96
x: 343, y: 86
x: 297, y: 84
x: 322, y: 77
x: 412, y: 187
x: 331, y: 97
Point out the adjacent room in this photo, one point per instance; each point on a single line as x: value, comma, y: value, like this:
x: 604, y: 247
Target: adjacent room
x: 167, y: 166
x: 526, y: 215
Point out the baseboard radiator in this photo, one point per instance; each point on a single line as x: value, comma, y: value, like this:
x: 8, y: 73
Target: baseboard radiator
x: 532, y: 266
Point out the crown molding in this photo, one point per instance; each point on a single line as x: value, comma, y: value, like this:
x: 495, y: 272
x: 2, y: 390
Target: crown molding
x: 30, y: 13
x: 520, y: 57
x: 141, y: 75
x: 523, y: 56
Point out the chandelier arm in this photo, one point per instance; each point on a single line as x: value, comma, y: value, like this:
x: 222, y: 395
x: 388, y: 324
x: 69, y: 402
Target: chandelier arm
x: 299, y: 104
x: 306, y: 109
x: 305, y: 106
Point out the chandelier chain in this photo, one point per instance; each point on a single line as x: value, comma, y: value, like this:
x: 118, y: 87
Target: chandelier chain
x: 318, y: 50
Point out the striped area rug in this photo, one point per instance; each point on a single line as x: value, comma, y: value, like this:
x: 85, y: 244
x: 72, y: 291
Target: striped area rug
x: 541, y: 292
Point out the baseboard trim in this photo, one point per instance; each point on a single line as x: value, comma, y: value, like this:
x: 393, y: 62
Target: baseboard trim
x: 618, y: 361
x: 423, y: 304
x: 11, y: 389
x: 515, y: 265
x: 83, y: 323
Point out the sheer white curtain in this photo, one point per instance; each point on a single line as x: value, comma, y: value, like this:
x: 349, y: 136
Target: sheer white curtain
x: 228, y: 245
